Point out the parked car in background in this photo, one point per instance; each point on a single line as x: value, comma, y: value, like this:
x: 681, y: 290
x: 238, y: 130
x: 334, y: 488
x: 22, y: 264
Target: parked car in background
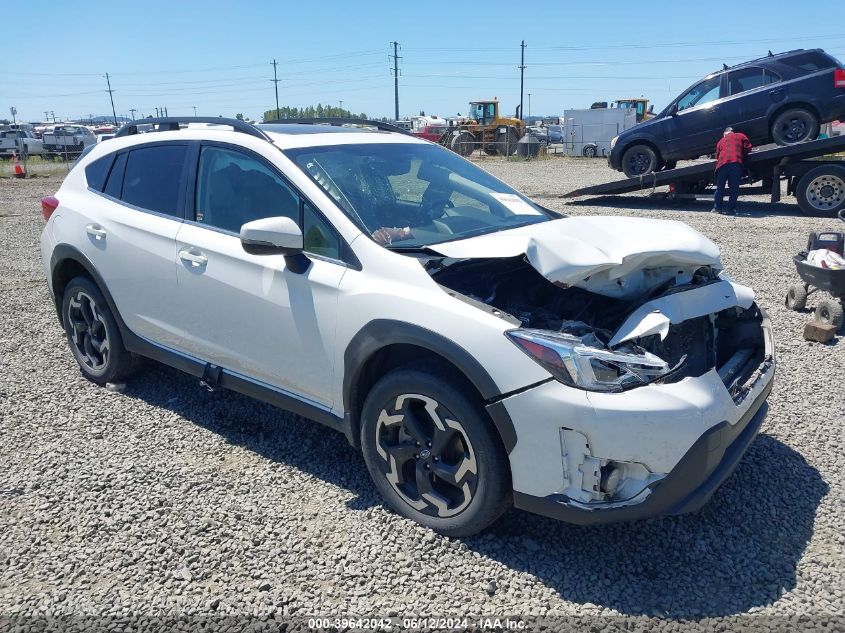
x: 780, y: 98
x: 555, y: 133
x: 67, y: 140
x: 21, y: 142
x: 480, y: 350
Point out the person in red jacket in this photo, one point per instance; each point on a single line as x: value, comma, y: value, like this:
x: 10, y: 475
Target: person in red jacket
x: 731, y: 152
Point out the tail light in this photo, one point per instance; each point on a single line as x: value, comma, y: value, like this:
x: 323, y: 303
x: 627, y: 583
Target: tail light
x: 839, y: 78
x: 48, y: 205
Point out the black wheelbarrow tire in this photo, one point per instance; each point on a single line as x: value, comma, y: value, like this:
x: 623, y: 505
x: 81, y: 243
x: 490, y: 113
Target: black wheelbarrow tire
x: 796, y: 297
x: 829, y: 312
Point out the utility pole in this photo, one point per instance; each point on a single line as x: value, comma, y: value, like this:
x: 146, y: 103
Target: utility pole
x: 165, y: 111
x: 276, y: 85
x: 529, y: 106
x: 521, y: 78
x: 110, y: 91
x: 156, y: 112
x: 396, y: 59
x: 195, y: 110
x: 132, y: 112
x: 341, y: 108
x: 46, y: 115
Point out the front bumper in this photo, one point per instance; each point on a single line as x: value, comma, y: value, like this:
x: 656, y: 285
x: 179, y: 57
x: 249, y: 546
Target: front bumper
x: 705, y: 466
x: 684, y: 438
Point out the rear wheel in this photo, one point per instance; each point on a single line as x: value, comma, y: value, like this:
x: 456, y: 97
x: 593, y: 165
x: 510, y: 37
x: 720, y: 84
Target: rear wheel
x: 639, y: 160
x: 93, y: 334
x: 507, y: 142
x: 794, y: 125
x: 821, y: 191
x: 829, y: 312
x: 590, y: 151
x: 432, y: 454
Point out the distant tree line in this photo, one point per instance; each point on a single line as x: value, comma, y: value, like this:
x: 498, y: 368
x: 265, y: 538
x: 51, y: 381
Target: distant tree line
x: 318, y: 111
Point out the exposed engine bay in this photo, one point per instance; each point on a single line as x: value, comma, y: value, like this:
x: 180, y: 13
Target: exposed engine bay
x: 658, y: 335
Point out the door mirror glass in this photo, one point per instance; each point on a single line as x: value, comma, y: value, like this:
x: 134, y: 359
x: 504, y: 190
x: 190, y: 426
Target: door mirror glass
x: 673, y: 109
x: 272, y: 236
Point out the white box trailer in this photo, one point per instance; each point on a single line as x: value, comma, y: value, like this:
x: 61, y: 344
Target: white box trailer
x: 589, y: 132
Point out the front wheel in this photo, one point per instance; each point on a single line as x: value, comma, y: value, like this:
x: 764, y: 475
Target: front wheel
x: 433, y: 454
x: 794, y: 125
x: 639, y: 160
x: 93, y: 334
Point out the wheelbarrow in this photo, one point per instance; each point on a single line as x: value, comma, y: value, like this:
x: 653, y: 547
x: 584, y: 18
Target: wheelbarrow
x: 832, y: 281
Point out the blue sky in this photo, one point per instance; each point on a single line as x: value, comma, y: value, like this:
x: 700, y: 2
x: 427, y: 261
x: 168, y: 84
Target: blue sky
x: 216, y: 56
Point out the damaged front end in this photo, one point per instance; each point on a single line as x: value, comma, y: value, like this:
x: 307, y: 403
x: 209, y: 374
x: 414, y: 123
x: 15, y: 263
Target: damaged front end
x: 697, y: 324
x: 683, y: 327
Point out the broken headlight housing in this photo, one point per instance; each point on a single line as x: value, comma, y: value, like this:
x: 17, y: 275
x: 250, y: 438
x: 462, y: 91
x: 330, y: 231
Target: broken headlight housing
x: 576, y: 364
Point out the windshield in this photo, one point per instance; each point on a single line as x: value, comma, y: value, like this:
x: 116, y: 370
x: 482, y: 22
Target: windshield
x: 414, y: 194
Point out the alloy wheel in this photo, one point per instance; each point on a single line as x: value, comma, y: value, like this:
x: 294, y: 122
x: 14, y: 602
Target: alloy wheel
x: 428, y: 458
x: 795, y: 129
x: 88, y: 332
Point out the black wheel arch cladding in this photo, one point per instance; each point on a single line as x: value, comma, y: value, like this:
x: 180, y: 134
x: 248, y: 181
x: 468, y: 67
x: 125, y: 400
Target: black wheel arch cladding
x: 381, y: 333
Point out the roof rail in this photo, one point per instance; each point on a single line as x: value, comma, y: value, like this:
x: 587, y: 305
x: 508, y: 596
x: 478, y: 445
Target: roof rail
x: 379, y: 125
x: 171, y: 123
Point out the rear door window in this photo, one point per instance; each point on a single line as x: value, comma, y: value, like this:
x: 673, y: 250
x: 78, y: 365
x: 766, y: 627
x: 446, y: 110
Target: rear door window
x: 746, y: 79
x: 153, y: 178
x: 114, y: 185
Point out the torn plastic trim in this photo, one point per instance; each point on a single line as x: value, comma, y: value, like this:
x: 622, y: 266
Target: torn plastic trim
x: 682, y: 306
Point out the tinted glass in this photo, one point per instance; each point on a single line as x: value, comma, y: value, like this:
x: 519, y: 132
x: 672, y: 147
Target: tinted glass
x: 747, y: 79
x: 153, y: 178
x: 233, y: 189
x: 114, y: 186
x: 705, y: 92
x: 420, y: 186
x: 319, y: 237
x: 809, y: 61
x: 97, y: 172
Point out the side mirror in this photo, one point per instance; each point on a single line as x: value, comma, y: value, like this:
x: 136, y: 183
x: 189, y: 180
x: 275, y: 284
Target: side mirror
x: 673, y: 109
x: 272, y: 236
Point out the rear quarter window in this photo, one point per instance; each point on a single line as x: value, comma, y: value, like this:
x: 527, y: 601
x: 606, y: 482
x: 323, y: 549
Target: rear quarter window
x: 97, y: 172
x: 809, y: 62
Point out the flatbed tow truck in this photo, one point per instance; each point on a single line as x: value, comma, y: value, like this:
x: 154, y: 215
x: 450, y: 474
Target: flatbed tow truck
x: 813, y: 175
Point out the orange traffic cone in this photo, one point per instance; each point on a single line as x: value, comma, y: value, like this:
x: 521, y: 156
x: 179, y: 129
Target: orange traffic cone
x: 19, y: 170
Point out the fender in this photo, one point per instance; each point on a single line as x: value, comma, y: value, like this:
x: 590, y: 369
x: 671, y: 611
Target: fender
x: 381, y: 333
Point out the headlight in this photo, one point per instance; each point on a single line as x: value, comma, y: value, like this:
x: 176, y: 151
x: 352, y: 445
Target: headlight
x: 575, y: 364
x: 613, y: 142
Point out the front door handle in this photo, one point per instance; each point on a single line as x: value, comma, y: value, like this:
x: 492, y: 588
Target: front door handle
x: 96, y: 231
x: 195, y: 259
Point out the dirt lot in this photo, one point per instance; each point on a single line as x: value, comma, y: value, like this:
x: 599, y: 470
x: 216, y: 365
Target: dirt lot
x: 166, y: 500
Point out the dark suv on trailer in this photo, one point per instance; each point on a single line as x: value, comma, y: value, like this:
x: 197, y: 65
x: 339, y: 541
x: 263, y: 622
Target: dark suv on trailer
x: 781, y: 98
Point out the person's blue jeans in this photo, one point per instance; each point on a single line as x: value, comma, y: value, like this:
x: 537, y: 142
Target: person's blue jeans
x: 730, y: 173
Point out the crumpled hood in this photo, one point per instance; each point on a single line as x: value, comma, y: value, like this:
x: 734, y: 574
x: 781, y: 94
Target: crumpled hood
x: 613, y: 256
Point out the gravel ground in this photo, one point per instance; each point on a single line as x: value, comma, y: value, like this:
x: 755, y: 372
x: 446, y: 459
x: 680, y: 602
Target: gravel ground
x: 166, y: 500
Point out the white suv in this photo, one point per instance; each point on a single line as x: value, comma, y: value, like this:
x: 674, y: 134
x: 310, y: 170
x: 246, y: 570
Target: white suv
x: 479, y: 349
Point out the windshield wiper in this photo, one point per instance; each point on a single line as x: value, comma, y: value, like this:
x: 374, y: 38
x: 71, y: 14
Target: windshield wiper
x: 412, y: 249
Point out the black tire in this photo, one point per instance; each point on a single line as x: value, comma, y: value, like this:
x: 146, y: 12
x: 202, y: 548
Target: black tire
x: 507, y: 142
x: 794, y: 125
x: 93, y: 334
x: 829, y: 312
x: 405, y: 450
x: 590, y: 151
x: 796, y: 297
x: 821, y: 191
x: 463, y: 144
x: 639, y: 160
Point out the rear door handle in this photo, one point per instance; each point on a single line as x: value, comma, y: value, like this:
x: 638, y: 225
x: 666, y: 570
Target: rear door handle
x: 195, y: 259
x: 96, y: 231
